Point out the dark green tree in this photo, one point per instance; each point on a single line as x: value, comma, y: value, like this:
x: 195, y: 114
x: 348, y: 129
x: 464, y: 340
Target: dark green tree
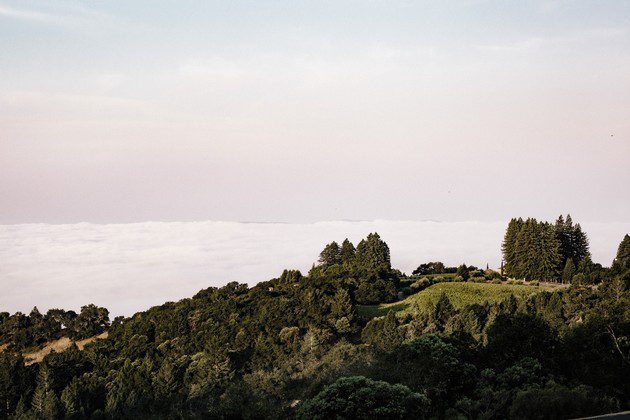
x: 581, y: 250
x: 621, y: 262
x: 71, y: 400
x: 91, y: 321
x: 442, y: 311
x: 341, y: 306
x: 463, y: 272
x: 568, y: 272
x: 347, y: 252
x: 383, y: 333
x: 373, y: 253
x: 330, y: 255
x: 509, y: 247
x: 290, y: 276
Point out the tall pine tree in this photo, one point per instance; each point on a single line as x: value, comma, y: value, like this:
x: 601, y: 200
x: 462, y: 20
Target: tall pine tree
x: 347, y: 252
x: 373, y: 253
x: 568, y: 272
x: 331, y: 254
x: 509, y: 247
x: 621, y: 262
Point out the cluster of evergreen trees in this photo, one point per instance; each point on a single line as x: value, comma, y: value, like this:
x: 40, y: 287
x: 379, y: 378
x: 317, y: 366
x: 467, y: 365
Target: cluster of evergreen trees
x: 372, y: 253
x: 536, y: 250
x: 366, y: 270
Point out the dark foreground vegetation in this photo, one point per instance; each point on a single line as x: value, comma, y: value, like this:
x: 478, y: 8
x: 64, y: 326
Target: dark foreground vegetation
x: 295, y: 346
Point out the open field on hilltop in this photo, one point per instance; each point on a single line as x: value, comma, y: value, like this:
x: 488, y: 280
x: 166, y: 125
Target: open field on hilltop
x: 460, y: 294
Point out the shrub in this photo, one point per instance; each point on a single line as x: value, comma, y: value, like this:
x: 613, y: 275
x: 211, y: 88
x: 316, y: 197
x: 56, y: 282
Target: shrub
x: 534, y: 283
x: 363, y: 398
x: 421, y: 284
x: 458, y: 278
x: 496, y: 281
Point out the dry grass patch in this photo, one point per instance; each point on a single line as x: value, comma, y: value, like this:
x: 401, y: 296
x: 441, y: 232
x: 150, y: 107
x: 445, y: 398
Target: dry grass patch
x: 59, y: 346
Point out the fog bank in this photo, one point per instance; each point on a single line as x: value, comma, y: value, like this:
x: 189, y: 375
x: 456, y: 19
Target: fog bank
x: 130, y: 267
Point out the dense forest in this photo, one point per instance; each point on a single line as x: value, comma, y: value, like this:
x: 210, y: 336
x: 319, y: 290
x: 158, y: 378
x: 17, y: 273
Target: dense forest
x: 298, y: 346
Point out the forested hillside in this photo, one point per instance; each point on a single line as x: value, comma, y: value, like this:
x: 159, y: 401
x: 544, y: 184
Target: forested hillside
x: 297, y: 347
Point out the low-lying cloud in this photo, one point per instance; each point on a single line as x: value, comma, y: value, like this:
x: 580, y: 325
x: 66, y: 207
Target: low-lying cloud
x: 130, y: 267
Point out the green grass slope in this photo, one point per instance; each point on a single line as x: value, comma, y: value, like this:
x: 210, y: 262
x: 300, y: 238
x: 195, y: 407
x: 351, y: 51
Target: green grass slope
x: 460, y: 295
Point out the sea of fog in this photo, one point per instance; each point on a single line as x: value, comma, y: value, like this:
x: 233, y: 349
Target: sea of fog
x: 131, y: 267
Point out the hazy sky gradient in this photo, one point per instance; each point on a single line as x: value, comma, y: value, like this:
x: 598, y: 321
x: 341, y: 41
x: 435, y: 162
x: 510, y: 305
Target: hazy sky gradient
x: 118, y: 111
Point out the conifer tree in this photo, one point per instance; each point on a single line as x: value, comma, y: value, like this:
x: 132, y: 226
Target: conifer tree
x: 568, y: 272
x: 39, y: 402
x: 347, y: 252
x: 342, y: 305
x: 526, y: 248
x: 373, y: 253
x: 70, y: 400
x: 331, y: 254
x: 549, y: 254
x: 442, y: 311
x: 390, y: 336
x: 573, y: 241
x: 580, y: 250
x: 509, y: 246
x: 564, y: 238
x: 51, y: 406
x: 290, y: 276
x: 21, y: 409
x: 621, y: 262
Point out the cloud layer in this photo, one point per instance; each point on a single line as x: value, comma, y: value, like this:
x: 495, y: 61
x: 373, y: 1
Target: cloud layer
x: 130, y: 267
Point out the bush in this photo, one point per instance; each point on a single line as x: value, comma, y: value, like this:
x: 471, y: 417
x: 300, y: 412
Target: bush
x: 421, y: 284
x: 534, y: 283
x: 477, y: 279
x: 463, y: 271
x: 496, y: 281
x: 362, y: 398
x: 458, y: 278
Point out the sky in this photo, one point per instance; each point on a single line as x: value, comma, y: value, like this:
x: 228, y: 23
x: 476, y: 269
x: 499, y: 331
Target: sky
x: 130, y: 267
x: 303, y: 111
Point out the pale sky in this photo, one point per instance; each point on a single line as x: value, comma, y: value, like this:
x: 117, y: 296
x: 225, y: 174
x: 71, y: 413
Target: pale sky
x: 301, y: 111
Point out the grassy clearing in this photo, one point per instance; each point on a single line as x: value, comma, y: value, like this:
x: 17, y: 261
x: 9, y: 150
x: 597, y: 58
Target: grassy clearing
x: 460, y: 295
